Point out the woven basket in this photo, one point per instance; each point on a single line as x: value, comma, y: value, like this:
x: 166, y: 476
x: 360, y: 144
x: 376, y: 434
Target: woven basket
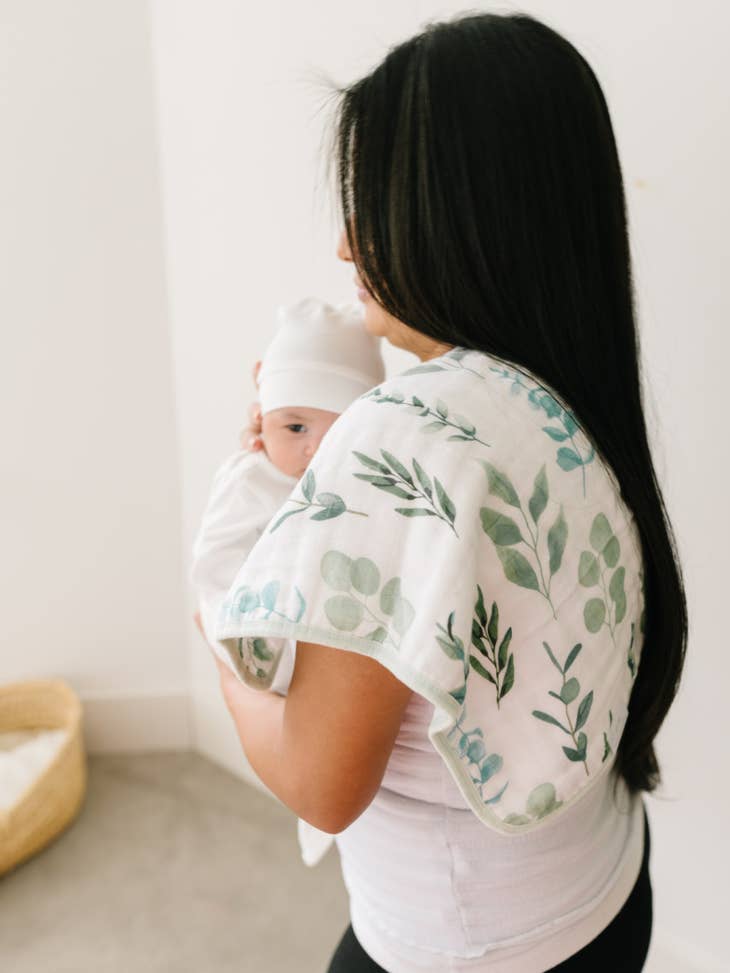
x: 51, y: 802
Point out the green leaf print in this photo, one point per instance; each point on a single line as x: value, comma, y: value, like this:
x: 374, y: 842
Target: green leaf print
x: 269, y: 594
x: 335, y: 568
x: 402, y: 484
x: 568, y: 458
x: 308, y: 486
x: 557, y: 536
x: 397, y: 467
x: 539, y: 498
x: 485, y: 639
x: 506, y: 533
x: 246, y: 601
x: 372, y: 463
x: 588, y: 569
x: 517, y: 568
x: 330, y: 503
x: 501, y: 528
x: 541, y: 801
x: 343, y: 612
x: 332, y: 506
x: 611, y: 552
x: 500, y: 485
x: 557, y: 434
x: 389, y: 596
x: 601, y: 532
x: 443, y: 498
x: 572, y: 656
x: 365, y: 576
x: 440, y: 414
x: 358, y: 580
x: 547, y: 718
x: 594, y: 614
x: 423, y: 478
x: 569, y: 692
x: 610, y: 608
x: 584, y: 709
x: 482, y: 766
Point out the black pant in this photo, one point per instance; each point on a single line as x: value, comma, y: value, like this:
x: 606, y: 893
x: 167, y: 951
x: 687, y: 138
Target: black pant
x: 623, y: 944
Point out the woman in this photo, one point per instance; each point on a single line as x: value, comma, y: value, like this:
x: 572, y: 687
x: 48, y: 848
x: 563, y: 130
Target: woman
x: 484, y: 212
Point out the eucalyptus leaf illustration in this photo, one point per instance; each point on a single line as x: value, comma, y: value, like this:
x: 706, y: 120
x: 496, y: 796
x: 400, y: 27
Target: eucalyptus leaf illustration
x: 506, y: 533
x: 439, y: 415
x: 248, y: 601
x: 541, y: 801
x: 569, y: 693
x: 395, y: 478
x: 482, y: 765
x: 356, y: 580
x: 330, y: 504
x: 570, y: 457
x: 600, y: 568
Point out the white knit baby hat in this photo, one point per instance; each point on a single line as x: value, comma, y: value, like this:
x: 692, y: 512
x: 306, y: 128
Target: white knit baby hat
x: 321, y: 357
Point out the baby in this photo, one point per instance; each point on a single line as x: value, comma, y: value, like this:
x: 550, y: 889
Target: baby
x: 320, y: 360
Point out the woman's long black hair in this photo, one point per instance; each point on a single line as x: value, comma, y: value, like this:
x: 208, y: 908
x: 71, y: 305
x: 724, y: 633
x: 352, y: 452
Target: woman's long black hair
x: 482, y: 194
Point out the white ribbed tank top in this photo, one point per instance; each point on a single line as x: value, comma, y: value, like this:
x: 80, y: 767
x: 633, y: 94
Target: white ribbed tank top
x: 432, y: 888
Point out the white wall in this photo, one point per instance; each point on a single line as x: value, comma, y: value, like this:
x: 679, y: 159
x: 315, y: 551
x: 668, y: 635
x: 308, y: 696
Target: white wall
x: 90, y: 566
x: 95, y: 470
x: 247, y: 229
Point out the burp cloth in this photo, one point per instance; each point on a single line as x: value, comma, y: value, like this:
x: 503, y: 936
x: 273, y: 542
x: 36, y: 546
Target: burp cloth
x: 459, y: 526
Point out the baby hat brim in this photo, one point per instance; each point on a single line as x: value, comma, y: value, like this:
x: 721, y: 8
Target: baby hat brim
x: 321, y: 357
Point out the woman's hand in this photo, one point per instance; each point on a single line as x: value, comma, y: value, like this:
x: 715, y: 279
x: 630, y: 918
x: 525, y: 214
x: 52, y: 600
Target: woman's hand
x: 250, y: 437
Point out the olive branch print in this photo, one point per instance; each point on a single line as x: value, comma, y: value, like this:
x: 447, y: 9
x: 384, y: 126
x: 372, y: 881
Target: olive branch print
x: 610, y: 608
x: 471, y: 746
x: 569, y: 693
x: 395, y: 478
x: 483, y: 629
x: 346, y: 611
x: 330, y: 504
x: 505, y: 533
x: 467, y: 431
x: 486, y: 630
x: 541, y: 801
x: 568, y: 457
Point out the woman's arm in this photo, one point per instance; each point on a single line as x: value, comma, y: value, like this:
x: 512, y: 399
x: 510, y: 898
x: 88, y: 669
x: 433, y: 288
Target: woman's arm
x: 322, y: 749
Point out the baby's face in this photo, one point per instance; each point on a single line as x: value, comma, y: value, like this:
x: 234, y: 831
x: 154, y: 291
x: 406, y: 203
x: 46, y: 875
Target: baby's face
x: 292, y: 435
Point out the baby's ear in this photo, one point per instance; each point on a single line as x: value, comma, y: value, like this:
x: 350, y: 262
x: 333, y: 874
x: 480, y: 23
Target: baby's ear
x: 256, y: 370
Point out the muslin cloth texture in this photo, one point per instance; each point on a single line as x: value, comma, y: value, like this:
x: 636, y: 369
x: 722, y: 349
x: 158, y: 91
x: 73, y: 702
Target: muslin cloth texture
x: 458, y: 525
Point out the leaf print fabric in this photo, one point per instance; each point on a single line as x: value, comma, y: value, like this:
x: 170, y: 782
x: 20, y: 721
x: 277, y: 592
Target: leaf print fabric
x: 439, y: 531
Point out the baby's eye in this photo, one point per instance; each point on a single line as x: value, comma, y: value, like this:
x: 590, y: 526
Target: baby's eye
x: 296, y: 426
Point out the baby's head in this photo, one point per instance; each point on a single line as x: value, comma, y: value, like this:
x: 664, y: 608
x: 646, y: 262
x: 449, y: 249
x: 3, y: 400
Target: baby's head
x: 320, y: 360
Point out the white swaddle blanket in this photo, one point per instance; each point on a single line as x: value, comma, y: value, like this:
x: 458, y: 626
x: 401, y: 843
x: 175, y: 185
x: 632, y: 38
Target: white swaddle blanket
x: 457, y: 525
